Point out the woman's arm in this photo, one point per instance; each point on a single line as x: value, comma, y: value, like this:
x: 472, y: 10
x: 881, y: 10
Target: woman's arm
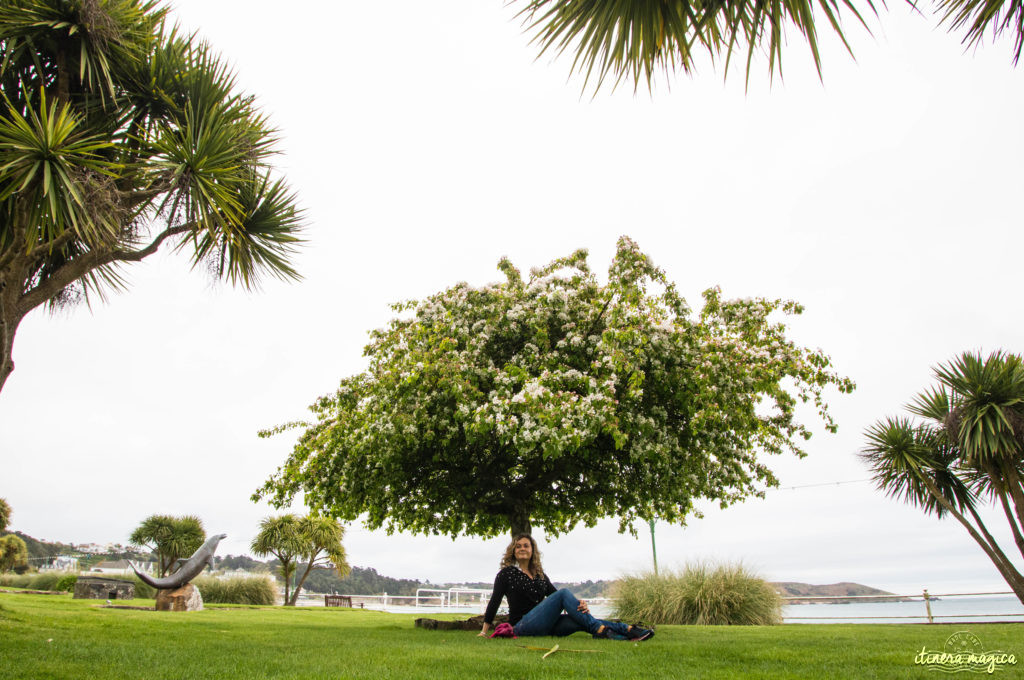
x: 500, y: 586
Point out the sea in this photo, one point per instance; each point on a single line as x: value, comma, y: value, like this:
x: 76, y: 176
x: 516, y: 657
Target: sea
x: 974, y: 609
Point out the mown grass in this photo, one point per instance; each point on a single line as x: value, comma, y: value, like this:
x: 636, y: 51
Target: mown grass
x: 53, y: 636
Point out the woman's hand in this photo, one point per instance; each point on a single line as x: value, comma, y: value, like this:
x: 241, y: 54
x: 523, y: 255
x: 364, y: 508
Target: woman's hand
x: 583, y: 607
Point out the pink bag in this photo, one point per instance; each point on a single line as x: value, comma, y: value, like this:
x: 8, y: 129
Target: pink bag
x: 503, y: 630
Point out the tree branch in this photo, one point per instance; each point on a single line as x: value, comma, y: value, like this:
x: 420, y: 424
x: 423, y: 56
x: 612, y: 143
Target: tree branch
x: 81, y: 266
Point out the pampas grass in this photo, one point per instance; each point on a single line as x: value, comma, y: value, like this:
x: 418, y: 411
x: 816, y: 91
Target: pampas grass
x: 237, y: 589
x: 34, y: 581
x: 699, y: 594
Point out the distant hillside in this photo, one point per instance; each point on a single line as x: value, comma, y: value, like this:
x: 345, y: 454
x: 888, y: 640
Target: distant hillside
x: 833, y: 590
x: 41, y: 549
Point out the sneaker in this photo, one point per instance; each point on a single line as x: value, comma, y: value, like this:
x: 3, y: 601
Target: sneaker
x: 609, y: 634
x: 503, y: 630
x: 638, y: 634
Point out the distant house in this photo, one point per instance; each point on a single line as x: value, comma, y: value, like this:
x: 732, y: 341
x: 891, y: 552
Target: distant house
x: 92, y: 548
x: 115, y: 567
x: 61, y: 563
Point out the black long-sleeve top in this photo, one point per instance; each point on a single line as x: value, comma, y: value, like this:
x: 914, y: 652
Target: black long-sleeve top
x: 523, y: 593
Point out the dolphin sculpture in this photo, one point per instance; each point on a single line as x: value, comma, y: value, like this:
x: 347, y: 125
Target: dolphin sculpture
x: 193, y: 566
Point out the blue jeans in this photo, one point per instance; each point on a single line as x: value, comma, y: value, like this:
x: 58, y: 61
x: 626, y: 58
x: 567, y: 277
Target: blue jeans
x: 547, y: 618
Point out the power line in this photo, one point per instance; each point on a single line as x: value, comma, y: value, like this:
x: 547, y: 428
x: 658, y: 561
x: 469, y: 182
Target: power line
x: 808, y: 486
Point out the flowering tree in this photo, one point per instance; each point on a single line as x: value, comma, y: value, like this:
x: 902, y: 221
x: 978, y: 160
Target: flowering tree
x: 557, y: 400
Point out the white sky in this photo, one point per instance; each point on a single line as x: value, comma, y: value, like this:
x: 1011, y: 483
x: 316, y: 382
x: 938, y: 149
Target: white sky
x: 426, y: 141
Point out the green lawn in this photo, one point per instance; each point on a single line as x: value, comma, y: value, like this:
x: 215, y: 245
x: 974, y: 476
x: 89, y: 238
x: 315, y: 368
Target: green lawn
x: 53, y: 636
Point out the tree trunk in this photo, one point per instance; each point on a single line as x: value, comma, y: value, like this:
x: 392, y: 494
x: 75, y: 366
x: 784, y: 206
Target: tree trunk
x: 1016, y: 489
x: 7, y: 330
x: 1003, y: 484
x: 1006, y: 565
x: 1013, y: 578
x: 298, y: 586
x: 1017, y: 537
x: 286, y: 572
x: 10, y: 318
x: 520, y: 524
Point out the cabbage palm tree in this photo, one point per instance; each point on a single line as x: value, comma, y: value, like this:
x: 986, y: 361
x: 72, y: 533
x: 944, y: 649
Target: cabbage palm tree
x: 633, y: 39
x: 171, y: 538
x: 321, y: 537
x: 118, y: 134
x: 5, y: 514
x: 280, y: 537
x: 969, y: 450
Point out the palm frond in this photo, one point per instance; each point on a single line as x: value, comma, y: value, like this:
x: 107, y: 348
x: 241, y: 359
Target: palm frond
x: 901, y: 457
x: 638, y: 38
x: 979, y: 16
x: 263, y: 240
x: 44, y: 159
x: 989, y: 397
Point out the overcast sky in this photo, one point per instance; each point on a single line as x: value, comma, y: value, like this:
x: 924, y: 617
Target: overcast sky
x: 426, y: 141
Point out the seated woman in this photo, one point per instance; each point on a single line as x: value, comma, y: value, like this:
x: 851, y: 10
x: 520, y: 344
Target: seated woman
x: 536, y: 608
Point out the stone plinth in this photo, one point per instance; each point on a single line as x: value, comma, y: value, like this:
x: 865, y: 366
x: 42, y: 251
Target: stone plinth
x: 183, y: 599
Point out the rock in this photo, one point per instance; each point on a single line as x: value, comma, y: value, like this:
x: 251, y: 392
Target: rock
x: 474, y: 623
x: 183, y: 599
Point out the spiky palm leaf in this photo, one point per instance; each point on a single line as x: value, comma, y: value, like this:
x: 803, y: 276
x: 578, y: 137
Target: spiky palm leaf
x: 637, y: 38
x: 634, y: 39
x: 988, y: 394
x: 904, y: 458
x: 979, y: 16
x: 171, y: 538
x: 45, y: 158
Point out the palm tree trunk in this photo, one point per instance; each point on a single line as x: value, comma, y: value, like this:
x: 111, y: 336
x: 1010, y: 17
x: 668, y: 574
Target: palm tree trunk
x: 1007, y: 564
x: 1017, y: 537
x: 9, y: 321
x: 298, y: 586
x: 1016, y: 488
x: 999, y: 477
x: 1013, y: 578
x: 286, y: 572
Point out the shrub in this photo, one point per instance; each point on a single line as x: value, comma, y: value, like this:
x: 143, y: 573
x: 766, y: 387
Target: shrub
x: 66, y: 583
x: 237, y: 590
x: 723, y: 595
x: 143, y: 590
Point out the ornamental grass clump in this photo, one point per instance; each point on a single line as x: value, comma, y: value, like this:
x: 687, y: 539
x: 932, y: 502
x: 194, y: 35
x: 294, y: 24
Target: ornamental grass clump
x: 258, y: 590
x: 700, y: 594
x: 32, y: 581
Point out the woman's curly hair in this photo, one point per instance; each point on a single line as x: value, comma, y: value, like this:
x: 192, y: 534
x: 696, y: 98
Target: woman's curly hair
x: 510, y: 555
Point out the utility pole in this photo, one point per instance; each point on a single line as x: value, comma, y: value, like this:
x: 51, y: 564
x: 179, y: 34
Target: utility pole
x: 654, y: 550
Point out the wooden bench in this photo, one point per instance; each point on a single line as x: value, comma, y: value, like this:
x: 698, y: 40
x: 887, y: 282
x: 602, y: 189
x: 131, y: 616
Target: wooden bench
x: 337, y: 601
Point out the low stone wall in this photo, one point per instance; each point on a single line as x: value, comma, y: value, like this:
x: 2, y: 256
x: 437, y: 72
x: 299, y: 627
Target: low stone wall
x: 97, y: 588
